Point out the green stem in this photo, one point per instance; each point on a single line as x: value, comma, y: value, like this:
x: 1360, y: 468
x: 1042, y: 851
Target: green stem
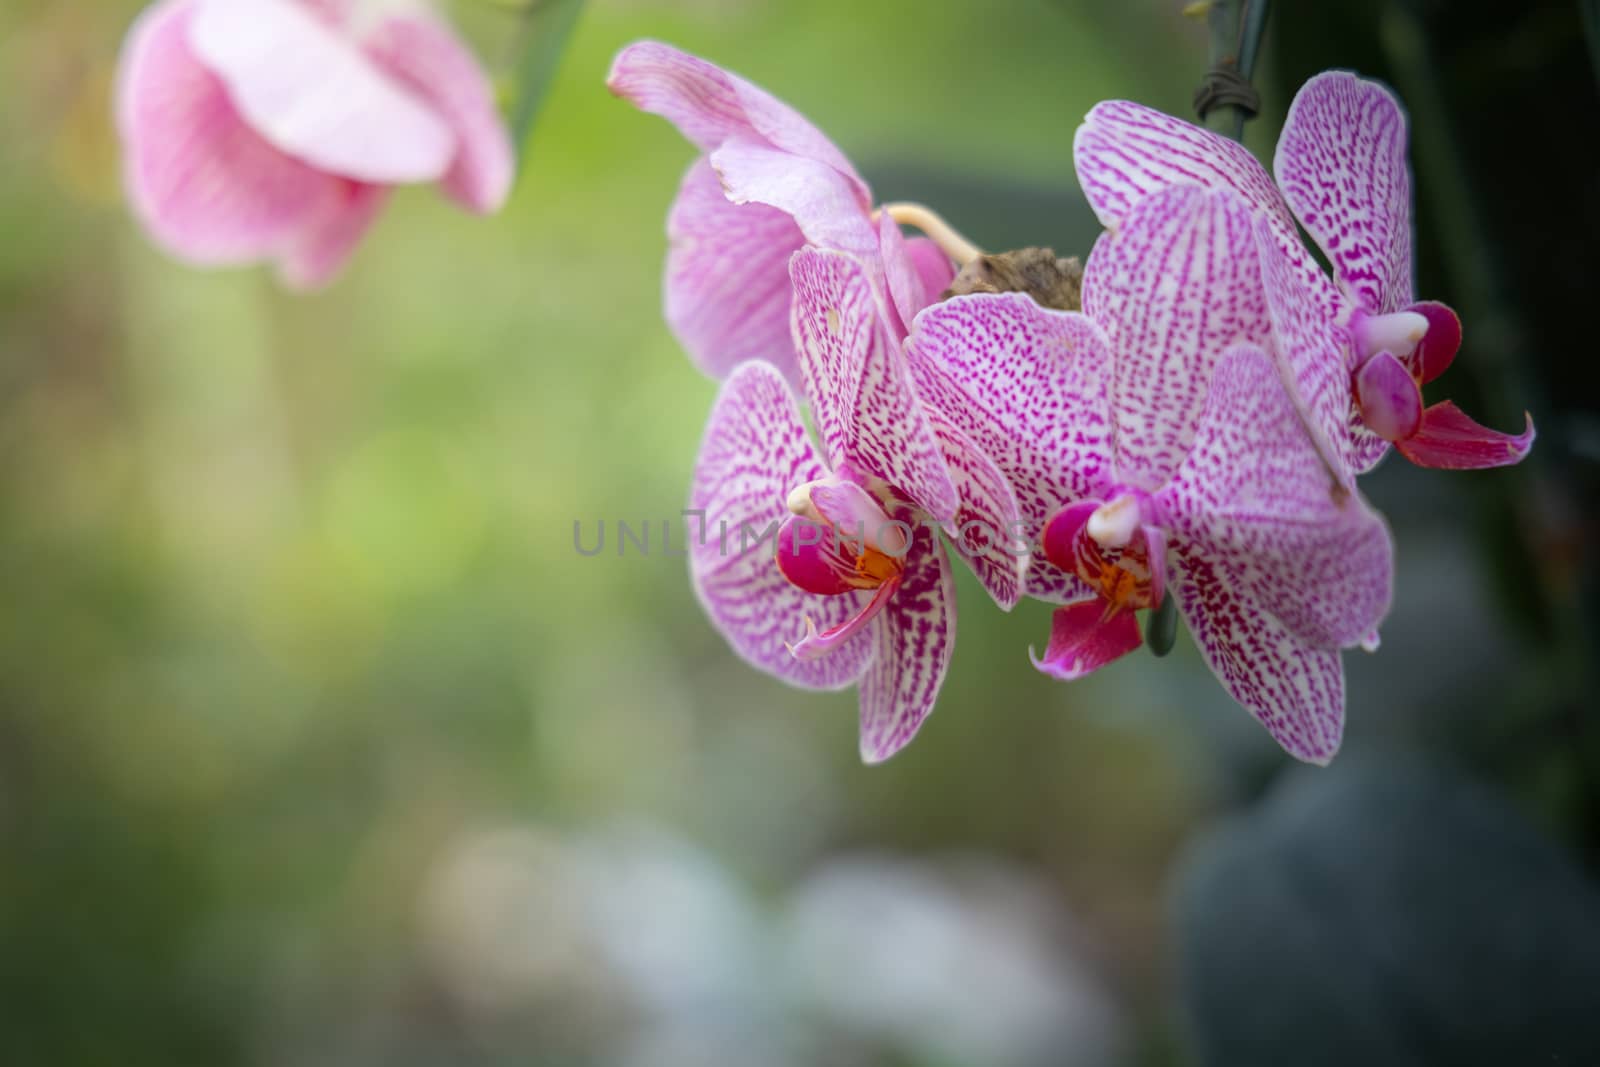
x: 1590, y: 11
x: 1236, y: 30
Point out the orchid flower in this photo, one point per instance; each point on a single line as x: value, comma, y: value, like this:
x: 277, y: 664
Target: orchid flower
x: 767, y: 183
x: 274, y: 129
x: 1154, y: 451
x: 860, y: 590
x: 1359, y: 351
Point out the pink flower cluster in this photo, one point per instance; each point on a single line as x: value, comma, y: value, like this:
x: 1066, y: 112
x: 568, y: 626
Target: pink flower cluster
x: 1194, y: 431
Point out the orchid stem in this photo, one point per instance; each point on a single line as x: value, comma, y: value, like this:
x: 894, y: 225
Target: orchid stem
x: 1589, y: 10
x: 957, y: 247
x: 1225, y: 98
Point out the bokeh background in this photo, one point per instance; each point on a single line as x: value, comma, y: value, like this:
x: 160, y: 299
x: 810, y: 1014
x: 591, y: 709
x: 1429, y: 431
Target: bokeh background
x: 321, y: 744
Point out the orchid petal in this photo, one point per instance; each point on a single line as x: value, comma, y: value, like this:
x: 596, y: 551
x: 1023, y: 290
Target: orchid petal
x: 1390, y: 402
x: 320, y: 250
x: 710, y: 106
x: 823, y: 203
x: 1316, y: 356
x: 1341, y: 163
x: 1450, y: 440
x: 1438, y: 347
x: 856, y: 379
x: 727, y: 280
x: 1125, y: 152
x: 311, y: 93
x: 205, y: 185
x: 984, y: 532
x: 933, y: 268
x: 1028, y: 386
x: 1083, y: 639
x: 1258, y: 504
x: 916, y: 633
x: 1062, y: 532
x: 1274, y: 567
x: 754, y: 451
x: 426, y: 56
x: 1173, y: 287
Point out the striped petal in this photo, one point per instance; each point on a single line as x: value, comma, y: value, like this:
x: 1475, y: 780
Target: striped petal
x: 1275, y: 566
x: 1028, y: 386
x: 1316, y: 354
x: 205, y: 185
x: 915, y: 633
x: 427, y: 57
x: 986, y: 532
x: 711, y: 106
x: 1341, y: 163
x: 727, y: 279
x: 1125, y: 152
x: 1173, y: 287
x: 754, y: 451
x: 310, y: 92
x: 855, y: 375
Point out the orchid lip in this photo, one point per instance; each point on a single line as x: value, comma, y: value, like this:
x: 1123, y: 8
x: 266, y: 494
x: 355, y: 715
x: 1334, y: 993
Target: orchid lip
x: 816, y: 644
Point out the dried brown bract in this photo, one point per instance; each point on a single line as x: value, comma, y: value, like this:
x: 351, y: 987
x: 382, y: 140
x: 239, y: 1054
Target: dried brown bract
x: 1052, y: 282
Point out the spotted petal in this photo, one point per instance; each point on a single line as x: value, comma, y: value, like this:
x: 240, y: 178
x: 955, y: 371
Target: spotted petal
x: 1028, y: 386
x: 1341, y: 163
x: 1316, y: 355
x: 310, y: 92
x: 855, y: 376
x: 1173, y: 287
x: 426, y: 56
x: 754, y: 451
x: 916, y: 633
x: 727, y: 280
x: 207, y: 187
x: 986, y: 531
x: 711, y: 106
x: 1125, y: 152
x: 1276, y: 567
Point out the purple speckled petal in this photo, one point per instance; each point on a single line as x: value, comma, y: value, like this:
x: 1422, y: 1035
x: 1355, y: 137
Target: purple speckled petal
x: 1173, y: 287
x: 1028, y: 386
x: 1125, y: 152
x: 822, y: 202
x: 916, y: 634
x: 1083, y: 639
x: 727, y: 280
x: 1316, y: 354
x: 855, y: 376
x: 754, y: 451
x: 1275, y: 566
x: 1341, y: 162
x: 986, y: 532
x: 710, y: 105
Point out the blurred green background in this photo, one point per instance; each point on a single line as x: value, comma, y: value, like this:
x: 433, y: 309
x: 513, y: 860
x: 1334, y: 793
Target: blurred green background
x: 319, y: 743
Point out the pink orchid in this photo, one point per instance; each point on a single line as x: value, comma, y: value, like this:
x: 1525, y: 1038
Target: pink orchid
x: 1154, y: 449
x: 274, y: 129
x: 1357, y: 353
x: 860, y: 590
x: 768, y: 183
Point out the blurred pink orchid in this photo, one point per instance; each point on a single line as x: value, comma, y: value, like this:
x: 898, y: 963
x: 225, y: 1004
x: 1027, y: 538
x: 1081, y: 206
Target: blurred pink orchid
x: 768, y: 183
x: 1153, y: 449
x: 1359, y: 352
x: 274, y: 129
x: 860, y: 591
